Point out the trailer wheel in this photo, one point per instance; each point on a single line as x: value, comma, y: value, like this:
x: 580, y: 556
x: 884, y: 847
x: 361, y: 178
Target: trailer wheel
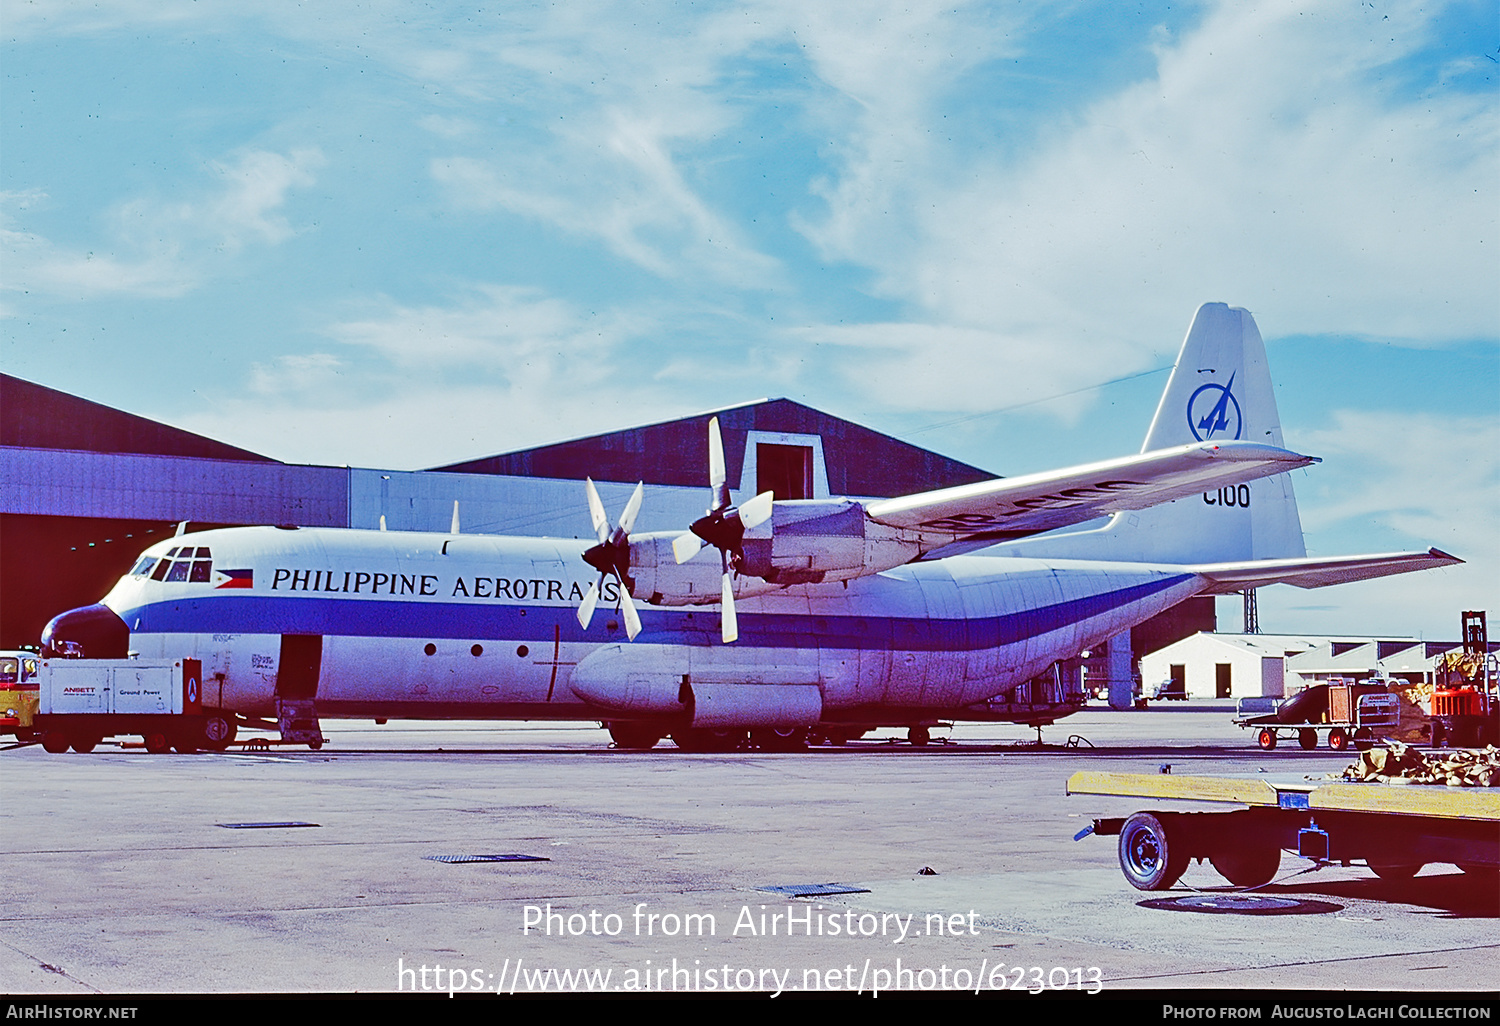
x: 1247, y: 866
x: 1364, y: 739
x: 85, y: 745
x: 1266, y: 739
x: 1338, y: 739
x: 55, y: 742
x: 1150, y: 856
x: 918, y: 736
x: 157, y: 743
x: 1308, y: 739
x: 1393, y: 870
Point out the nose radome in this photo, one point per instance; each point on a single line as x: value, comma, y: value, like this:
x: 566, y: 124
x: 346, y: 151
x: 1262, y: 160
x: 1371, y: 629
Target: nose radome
x: 92, y: 632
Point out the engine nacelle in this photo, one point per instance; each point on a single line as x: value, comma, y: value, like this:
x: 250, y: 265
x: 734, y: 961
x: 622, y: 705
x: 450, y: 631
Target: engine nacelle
x: 808, y: 541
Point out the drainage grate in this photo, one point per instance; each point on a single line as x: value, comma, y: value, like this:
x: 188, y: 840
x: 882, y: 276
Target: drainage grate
x: 816, y: 890
x: 1242, y: 905
x: 513, y: 857
x: 264, y: 826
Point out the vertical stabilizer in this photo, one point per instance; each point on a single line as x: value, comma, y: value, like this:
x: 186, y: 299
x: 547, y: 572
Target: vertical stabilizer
x: 1220, y: 390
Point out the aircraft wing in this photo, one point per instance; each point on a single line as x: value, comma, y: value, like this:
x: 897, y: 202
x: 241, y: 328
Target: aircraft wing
x: 1317, y: 573
x: 1014, y: 507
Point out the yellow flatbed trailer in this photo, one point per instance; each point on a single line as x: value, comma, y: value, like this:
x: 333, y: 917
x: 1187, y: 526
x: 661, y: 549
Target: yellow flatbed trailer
x: 1395, y: 829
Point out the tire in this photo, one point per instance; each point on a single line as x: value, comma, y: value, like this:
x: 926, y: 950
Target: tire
x: 157, y: 743
x: 701, y: 740
x: 635, y: 737
x: 918, y: 736
x: 1247, y: 866
x: 55, y: 742
x: 1364, y: 739
x: 780, y: 739
x: 85, y: 745
x: 1338, y: 739
x: 1266, y: 739
x: 218, y: 731
x: 1395, y: 870
x: 1151, y: 857
x: 1307, y: 738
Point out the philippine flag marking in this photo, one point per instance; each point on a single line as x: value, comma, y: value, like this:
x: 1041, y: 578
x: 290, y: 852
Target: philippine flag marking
x: 238, y: 579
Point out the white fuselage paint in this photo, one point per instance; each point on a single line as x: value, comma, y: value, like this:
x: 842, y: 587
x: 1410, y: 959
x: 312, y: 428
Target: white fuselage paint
x: 938, y: 635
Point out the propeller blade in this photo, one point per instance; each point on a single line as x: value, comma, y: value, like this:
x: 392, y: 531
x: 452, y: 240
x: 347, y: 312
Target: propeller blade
x: 758, y: 510
x: 596, y: 511
x: 632, y: 618
x: 586, y: 609
x: 730, y: 621
x: 627, y: 518
x: 686, y: 546
x: 453, y: 529
x: 716, y: 471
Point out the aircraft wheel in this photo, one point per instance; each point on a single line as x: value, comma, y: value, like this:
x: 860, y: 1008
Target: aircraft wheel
x: 55, y: 742
x: 918, y: 736
x: 1266, y: 739
x: 1338, y: 739
x: 780, y: 739
x: 219, y: 730
x: 1247, y: 866
x: 1395, y: 871
x: 157, y: 743
x: 701, y: 740
x: 638, y: 737
x: 1149, y: 854
x: 1308, y: 739
x: 84, y: 745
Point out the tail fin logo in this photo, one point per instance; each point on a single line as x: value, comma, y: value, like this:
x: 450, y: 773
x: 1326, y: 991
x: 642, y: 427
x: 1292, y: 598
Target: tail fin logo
x: 1212, y: 411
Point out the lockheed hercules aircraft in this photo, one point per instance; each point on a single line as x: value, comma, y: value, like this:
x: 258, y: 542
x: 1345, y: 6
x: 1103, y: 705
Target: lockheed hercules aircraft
x: 824, y: 615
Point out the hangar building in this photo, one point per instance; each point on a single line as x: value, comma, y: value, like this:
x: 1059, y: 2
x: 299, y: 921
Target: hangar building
x: 84, y: 487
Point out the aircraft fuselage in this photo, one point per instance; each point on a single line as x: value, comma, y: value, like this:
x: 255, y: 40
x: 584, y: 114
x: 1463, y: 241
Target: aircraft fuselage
x: 472, y: 626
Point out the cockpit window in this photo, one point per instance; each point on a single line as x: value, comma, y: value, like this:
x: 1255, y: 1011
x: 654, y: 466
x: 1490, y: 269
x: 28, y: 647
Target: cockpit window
x: 185, y: 563
x: 143, y: 566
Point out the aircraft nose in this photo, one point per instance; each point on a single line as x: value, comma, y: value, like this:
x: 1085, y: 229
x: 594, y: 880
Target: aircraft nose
x: 93, y: 631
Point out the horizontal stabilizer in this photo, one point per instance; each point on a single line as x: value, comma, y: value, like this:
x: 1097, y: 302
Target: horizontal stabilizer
x: 1014, y: 507
x: 1317, y: 573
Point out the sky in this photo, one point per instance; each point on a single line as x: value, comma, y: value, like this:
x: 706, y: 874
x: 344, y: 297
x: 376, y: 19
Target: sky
x: 401, y: 235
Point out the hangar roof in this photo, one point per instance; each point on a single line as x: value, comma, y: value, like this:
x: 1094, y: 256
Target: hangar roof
x: 34, y: 416
x: 675, y: 452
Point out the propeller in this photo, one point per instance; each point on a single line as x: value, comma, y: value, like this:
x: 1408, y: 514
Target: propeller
x: 611, y: 556
x: 723, y: 527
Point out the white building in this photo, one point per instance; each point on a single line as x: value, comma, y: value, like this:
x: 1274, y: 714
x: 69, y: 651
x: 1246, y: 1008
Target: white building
x: 1275, y: 665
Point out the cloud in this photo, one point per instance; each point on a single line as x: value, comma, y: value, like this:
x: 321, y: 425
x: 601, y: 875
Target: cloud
x: 158, y: 247
x: 1398, y: 481
x: 498, y: 368
x: 1273, y: 160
